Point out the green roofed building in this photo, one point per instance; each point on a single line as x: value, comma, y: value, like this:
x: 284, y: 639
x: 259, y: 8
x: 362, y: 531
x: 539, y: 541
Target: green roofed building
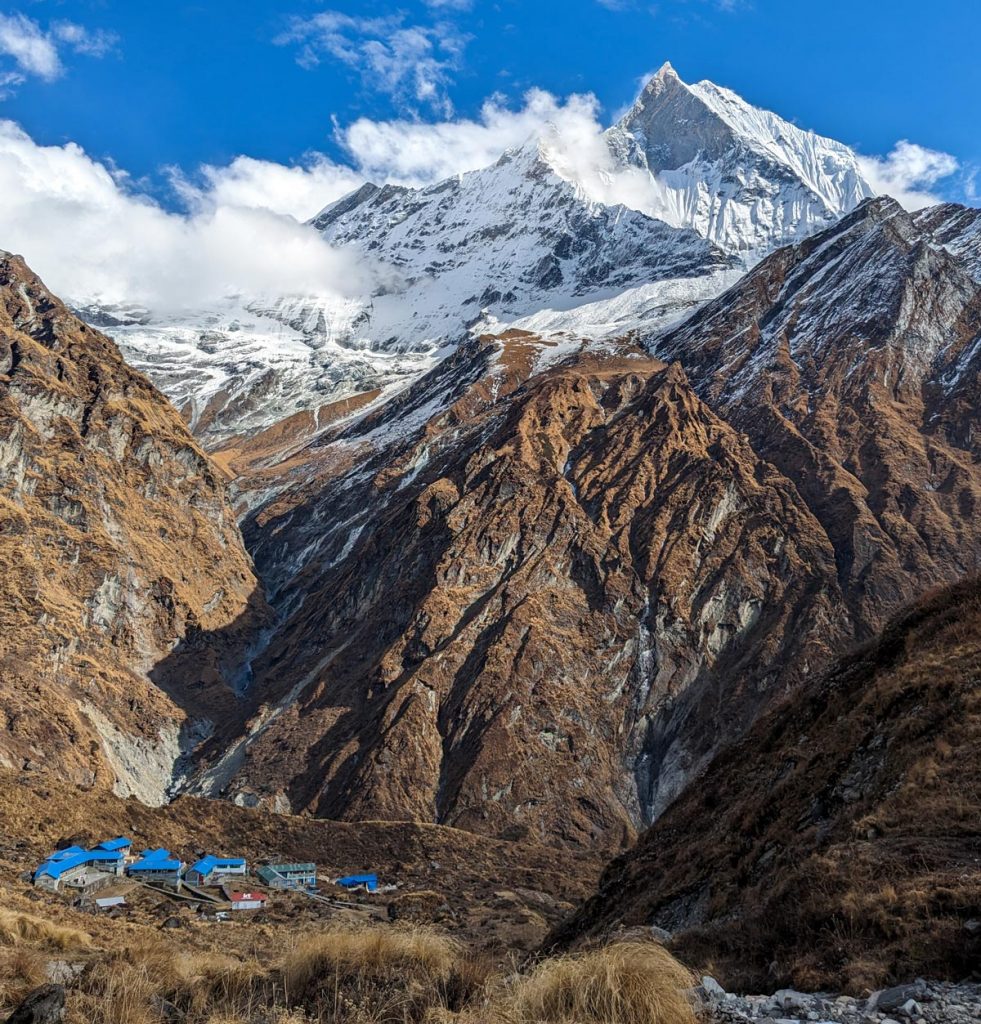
x: 289, y: 876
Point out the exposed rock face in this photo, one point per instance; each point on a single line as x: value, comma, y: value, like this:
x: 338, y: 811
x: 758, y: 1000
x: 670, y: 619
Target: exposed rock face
x: 117, y: 547
x: 529, y: 578
x: 599, y: 567
x: 836, y: 845
x: 958, y: 229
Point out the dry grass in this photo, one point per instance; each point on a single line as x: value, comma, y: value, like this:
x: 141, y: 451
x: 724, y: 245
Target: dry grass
x: 21, y: 971
x: 387, y: 974
x: 16, y: 928
x: 624, y: 983
x: 836, y: 846
x: 377, y: 974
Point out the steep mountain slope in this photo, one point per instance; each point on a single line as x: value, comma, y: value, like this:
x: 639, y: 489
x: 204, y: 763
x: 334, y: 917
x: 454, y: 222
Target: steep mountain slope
x: 518, y: 567
x: 117, y: 547
x: 713, y: 185
x: 837, y: 844
x: 554, y: 554
x: 852, y: 362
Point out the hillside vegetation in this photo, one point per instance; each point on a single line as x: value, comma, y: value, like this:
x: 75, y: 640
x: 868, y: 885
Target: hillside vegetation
x: 840, y: 842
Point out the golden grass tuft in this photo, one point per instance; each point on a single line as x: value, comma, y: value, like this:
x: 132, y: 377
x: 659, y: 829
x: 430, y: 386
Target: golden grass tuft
x: 399, y: 974
x: 623, y: 983
x: 17, y: 928
x: 379, y: 952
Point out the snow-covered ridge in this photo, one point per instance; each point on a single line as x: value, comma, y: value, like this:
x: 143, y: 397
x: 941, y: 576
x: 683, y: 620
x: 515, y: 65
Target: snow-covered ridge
x: 536, y: 239
x: 740, y: 176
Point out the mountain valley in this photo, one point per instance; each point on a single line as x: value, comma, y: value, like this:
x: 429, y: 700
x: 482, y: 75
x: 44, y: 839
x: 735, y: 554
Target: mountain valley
x: 632, y: 543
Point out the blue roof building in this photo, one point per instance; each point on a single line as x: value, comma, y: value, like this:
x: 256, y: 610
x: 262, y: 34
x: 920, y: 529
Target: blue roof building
x: 159, y: 866
x: 209, y: 869
x: 119, y: 845
x: 369, y: 881
x: 77, y: 867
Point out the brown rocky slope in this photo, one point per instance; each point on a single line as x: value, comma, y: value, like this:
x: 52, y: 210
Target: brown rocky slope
x: 485, y: 638
x: 538, y: 590
x: 117, y: 548
x: 839, y: 843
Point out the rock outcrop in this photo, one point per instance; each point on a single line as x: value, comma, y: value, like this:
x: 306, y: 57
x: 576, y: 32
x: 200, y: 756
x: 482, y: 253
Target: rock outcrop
x: 118, y: 549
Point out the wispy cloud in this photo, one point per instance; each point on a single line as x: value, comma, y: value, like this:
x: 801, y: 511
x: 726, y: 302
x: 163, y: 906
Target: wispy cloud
x: 413, y: 63
x: 89, y: 42
x: 37, y: 52
x: 32, y: 50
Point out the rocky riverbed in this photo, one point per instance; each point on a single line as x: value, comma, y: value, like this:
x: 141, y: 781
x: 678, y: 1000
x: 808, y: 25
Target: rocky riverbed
x: 920, y: 1002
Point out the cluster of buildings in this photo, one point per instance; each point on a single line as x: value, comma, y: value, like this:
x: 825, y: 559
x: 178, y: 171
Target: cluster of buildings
x: 86, y: 870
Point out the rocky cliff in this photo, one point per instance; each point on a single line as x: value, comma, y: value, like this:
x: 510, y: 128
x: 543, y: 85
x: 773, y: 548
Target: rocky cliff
x: 118, y: 549
x: 538, y: 590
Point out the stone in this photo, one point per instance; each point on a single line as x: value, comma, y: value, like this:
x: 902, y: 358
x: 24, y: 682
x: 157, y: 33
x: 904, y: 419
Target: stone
x: 711, y: 988
x: 894, y: 998
x: 45, y: 1005
x: 170, y: 1013
x: 61, y: 972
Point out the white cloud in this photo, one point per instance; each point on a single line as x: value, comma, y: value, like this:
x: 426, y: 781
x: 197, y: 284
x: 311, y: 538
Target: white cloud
x: 91, y: 43
x: 91, y: 239
x: 417, y: 153
x: 908, y: 173
x: 299, y: 191
x: 33, y: 50
x: 413, y: 63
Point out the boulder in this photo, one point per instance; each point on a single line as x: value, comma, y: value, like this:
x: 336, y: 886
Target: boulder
x: 712, y: 989
x: 894, y: 998
x: 45, y: 1005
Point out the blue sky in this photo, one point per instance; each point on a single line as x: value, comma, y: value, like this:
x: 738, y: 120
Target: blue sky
x: 163, y: 84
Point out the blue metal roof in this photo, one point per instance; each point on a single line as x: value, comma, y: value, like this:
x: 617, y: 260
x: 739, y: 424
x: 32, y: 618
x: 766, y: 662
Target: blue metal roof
x: 122, y: 843
x: 68, y: 851
x: 369, y: 881
x: 74, y: 857
x: 156, y: 860
x: 208, y: 864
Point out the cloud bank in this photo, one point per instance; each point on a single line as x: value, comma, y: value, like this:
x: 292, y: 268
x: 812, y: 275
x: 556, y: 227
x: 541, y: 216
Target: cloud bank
x: 91, y: 233
x: 94, y: 240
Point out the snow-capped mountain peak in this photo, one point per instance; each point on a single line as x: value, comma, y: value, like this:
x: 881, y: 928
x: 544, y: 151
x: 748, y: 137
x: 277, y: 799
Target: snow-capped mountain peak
x: 741, y: 176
